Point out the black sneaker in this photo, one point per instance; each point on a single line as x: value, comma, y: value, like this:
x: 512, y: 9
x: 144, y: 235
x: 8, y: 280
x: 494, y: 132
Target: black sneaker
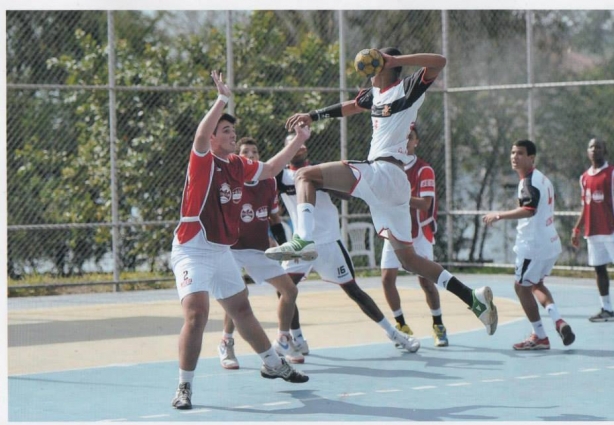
x: 182, y: 397
x: 285, y: 372
x: 603, y: 316
x: 565, y: 332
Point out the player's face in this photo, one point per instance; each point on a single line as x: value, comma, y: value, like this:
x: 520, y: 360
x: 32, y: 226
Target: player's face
x: 596, y: 151
x: 225, y: 138
x: 249, y: 152
x: 412, y: 142
x: 520, y: 160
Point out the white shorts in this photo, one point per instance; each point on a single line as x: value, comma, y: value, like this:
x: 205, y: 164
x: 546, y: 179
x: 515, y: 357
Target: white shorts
x: 385, y: 188
x: 421, y: 245
x: 600, y: 251
x: 257, y: 265
x: 333, y: 264
x: 531, y: 272
x: 200, y: 266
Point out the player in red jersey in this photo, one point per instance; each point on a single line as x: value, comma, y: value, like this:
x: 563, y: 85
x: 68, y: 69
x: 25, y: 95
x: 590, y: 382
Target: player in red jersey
x: 201, y: 257
x: 597, y: 217
x: 258, y: 207
x: 423, y: 210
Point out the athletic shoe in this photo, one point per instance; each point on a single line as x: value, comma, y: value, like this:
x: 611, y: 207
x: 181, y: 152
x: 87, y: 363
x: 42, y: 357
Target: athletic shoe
x: 440, y: 336
x: 301, y: 346
x: 405, y: 329
x: 292, y: 250
x: 565, y: 332
x: 405, y: 341
x: 285, y: 372
x: 485, y: 309
x: 182, y: 397
x: 533, y: 343
x: 226, y: 351
x: 603, y: 316
x: 285, y: 347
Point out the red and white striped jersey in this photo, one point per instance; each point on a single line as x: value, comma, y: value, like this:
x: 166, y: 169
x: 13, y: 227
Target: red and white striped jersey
x: 421, y: 177
x: 596, y: 187
x: 258, y: 201
x: 212, y: 196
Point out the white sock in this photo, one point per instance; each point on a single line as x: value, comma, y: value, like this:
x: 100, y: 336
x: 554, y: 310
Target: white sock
x: 385, y: 325
x: 297, y: 334
x: 538, y: 329
x: 305, y: 222
x: 186, y: 376
x: 436, y: 312
x: 283, y: 333
x: 270, y: 358
x: 227, y: 336
x: 553, y: 312
x: 605, y: 303
x: 397, y: 313
x: 443, y: 279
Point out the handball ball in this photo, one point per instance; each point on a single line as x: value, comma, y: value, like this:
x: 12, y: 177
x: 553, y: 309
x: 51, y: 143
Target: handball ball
x: 369, y: 62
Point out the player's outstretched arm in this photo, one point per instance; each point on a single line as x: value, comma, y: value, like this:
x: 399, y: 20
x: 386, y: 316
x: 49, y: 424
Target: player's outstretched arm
x: 433, y: 62
x: 337, y: 110
x: 274, y: 165
x: 207, y: 125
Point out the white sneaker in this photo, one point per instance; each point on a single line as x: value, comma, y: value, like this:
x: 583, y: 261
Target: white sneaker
x: 285, y: 347
x: 301, y: 346
x: 226, y: 351
x: 484, y: 308
x: 410, y: 343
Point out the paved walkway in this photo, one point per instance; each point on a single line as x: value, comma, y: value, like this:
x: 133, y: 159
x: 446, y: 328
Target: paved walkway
x: 114, y: 357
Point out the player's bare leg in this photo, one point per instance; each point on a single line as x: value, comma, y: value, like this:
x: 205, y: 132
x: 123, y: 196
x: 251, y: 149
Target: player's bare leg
x: 545, y: 298
x: 284, y: 344
x: 480, y: 301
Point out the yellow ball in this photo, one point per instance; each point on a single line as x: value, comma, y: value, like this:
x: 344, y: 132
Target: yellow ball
x: 369, y: 62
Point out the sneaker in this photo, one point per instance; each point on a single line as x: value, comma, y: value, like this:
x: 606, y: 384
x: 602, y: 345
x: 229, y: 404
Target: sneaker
x: 603, y: 316
x: 485, y: 309
x: 285, y: 372
x: 405, y: 329
x: 410, y: 343
x: 440, y: 336
x: 533, y: 343
x: 292, y: 250
x: 565, y: 332
x: 182, y: 397
x: 226, y: 351
x: 285, y: 347
x: 301, y: 346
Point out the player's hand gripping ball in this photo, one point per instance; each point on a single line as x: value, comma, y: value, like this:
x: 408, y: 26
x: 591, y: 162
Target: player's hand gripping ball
x: 369, y: 62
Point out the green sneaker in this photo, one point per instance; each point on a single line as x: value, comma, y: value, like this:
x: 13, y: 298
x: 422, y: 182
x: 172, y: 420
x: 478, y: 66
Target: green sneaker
x: 293, y: 250
x: 440, y: 336
x: 485, y: 309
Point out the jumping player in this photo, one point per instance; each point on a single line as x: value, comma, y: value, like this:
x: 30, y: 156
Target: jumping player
x: 597, y: 217
x: 537, y: 246
x: 201, y: 258
x: 393, y: 103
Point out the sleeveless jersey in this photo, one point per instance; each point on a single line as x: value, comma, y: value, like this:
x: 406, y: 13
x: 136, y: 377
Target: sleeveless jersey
x: 421, y: 177
x: 597, y: 193
x: 258, y: 201
x: 212, y: 197
x: 536, y: 236
x: 393, y: 114
x: 326, y: 215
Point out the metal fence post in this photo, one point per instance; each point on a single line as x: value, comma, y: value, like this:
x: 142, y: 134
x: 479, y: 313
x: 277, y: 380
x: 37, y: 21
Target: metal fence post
x: 343, y: 122
x: 448, y: 143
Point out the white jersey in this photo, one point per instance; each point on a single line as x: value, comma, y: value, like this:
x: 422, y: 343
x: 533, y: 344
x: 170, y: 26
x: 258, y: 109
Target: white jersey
x: 536, y: 236
x: 393, y: 114
x: 326, y: 215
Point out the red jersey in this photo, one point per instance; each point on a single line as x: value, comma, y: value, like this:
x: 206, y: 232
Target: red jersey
x: 421, y: 176
x: 212, y: 196
x: 596, y: 187
x: 258, y: 201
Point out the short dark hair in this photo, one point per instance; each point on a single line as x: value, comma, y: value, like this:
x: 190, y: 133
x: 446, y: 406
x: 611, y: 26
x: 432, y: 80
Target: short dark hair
x: 393, y: 51
x: 246, y: 141
x: 528, y: 145
x: 225, y: 117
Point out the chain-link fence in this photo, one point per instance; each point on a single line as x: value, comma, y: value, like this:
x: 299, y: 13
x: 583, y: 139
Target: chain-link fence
x: 102, y: 107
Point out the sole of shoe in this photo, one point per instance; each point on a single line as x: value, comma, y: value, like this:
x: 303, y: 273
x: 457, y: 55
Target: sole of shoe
x: 441, y: 343
x: 533, y: 348
x: 567, y: 335
x: 293, y: 380
x: 493, y: 316
x: 233, y: 366
x: 182, y: 406
x: 601, y: 319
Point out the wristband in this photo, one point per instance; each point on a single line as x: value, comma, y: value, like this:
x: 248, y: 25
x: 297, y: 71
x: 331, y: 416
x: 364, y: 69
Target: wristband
x: 575, y: 231
x: 223, y: 98
x: 332, y: 111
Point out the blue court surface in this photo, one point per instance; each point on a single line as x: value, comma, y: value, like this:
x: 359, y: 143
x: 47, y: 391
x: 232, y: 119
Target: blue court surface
x: 476, y: 378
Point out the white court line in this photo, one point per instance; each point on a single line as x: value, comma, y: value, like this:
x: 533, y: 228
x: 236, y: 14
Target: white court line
x: 610, y: 367
x: 558, y: 373
x: 492, y: 380
x: 527, y: 377
x: 113, y: 420
x: 349, y: 394
x: 589, y: 370
x: 459, y: 384
x: 245, y: 406
x: 387, y: 391
x: 153, y: 416
x: 190, y: 412
x: 425, y: 387
x: 276, y: 403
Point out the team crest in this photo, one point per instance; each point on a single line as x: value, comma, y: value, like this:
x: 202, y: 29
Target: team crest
x: 262, y: 213
x: 247, y: 213
x: 237, y: 193
x: 225, y: 193
x: 598, y: 196
x: 386, y: 111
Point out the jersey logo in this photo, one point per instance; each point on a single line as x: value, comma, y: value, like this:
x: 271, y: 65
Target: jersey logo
x: 247, y: 213
x: 225, y: 193
x: 262, y: 213
x: 598, y: 196
x: 237, y: 193
x: 386, y: 111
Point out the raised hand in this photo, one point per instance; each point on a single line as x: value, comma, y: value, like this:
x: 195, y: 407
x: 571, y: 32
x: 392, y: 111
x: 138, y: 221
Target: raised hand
x: 295, y: 119
x: 219, y: 83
